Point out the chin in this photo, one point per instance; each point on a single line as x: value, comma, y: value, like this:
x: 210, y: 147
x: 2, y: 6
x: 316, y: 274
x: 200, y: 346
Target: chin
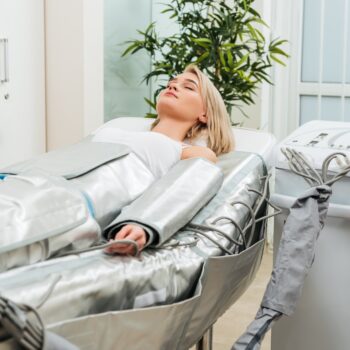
x: 171, y: 107
x: 167, y: 107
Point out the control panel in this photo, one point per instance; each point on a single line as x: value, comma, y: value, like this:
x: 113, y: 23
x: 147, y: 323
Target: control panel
x: 317, y: 140
x: 337, y: 139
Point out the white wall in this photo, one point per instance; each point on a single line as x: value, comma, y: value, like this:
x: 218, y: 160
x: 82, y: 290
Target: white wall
x: 252, y: 111
x: 93, y: 65
x: 286, y: 23
x: 74, y: 69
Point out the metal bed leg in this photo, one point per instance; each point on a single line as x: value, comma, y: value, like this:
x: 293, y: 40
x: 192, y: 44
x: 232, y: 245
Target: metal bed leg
x: 206, y: 342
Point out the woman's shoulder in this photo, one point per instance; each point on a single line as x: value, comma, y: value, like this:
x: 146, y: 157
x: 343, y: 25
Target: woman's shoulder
x: 198, y: 151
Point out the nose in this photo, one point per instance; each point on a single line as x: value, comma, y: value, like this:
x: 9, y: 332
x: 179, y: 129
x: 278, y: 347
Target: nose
x: 172, y: 86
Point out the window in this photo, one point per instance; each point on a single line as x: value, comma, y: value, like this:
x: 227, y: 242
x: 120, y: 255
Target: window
x: 315, y: 85
x: 324, y: 86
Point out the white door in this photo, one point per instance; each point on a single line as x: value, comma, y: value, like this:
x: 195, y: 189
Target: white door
x: 22, y: 92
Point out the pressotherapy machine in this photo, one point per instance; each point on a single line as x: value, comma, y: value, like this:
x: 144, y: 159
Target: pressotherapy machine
x: 208, y: 228
x: 322, y: 315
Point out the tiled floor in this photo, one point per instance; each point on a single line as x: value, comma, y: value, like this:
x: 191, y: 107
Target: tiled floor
x: 233, y: 323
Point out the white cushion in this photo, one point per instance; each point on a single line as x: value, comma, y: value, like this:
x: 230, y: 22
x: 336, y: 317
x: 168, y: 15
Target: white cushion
x: 128, y: 123
x: 247, y: 140
x: 138, y: 124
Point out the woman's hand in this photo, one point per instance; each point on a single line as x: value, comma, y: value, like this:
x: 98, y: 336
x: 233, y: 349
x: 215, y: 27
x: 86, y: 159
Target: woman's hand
x: 131, y: 232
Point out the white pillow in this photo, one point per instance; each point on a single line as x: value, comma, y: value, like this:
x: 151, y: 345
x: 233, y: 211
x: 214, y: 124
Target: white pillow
x: 246, y: 140
x: 140, y: 124
x: 128, y: 123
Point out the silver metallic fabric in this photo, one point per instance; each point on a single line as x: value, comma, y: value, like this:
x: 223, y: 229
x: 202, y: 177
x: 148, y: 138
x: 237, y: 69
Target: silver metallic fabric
x: 112, y: 302
x: 172, y: 201
x: 71, y: 161
x: 40, y: 215
x: 43, y: 214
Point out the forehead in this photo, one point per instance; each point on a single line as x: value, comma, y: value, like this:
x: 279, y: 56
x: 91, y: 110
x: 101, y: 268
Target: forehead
x: 187, y: 76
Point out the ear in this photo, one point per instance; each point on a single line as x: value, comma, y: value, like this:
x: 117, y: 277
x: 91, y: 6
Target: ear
x: 203, y: 119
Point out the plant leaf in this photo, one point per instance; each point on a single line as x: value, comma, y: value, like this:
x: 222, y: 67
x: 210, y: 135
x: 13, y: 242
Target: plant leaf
x: 252, y: 31
x: 241, y: 61
x: 222, y: 58
x: 151, y: 115
x: 151, y: 103
x: 277, y: 60
x: 130, y: 48
x: 202, y: 57
x: 277, y: 50
x: 229, y: 59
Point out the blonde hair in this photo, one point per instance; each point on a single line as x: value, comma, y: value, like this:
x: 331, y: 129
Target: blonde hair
x: 218, y: 129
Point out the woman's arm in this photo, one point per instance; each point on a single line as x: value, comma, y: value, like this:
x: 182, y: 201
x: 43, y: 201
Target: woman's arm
x: 199, y: 152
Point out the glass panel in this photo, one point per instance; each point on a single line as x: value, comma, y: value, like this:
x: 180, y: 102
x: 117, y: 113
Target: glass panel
x: 311, y: 41
x: 331, y: 108
x: 347, y: 109
x: 308, y: 108
x: 166, y: 27
x: 333, y: 41
x: 124, y: 95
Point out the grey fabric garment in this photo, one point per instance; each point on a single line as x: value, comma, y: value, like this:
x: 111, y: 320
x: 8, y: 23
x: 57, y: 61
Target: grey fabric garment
x: 252, y: 338
x: 294, y: 259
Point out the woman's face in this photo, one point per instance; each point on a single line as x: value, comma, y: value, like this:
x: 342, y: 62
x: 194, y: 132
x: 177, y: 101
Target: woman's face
x: 182, y: 99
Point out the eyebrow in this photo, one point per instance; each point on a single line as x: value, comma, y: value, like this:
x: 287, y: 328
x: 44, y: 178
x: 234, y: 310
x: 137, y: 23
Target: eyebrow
x: 188, y: 80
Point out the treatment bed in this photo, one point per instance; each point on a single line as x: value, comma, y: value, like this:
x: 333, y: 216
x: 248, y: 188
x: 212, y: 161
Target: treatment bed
x: 168, y: 296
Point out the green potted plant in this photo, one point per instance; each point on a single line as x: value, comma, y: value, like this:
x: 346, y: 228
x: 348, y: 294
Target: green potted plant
x: 223, y: 40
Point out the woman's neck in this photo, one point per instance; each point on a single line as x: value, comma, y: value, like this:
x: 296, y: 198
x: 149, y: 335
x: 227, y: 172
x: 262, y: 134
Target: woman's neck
x: 172, y: 128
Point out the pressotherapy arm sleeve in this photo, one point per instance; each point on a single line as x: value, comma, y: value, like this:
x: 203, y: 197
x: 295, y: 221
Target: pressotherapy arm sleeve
x: 172, y: 201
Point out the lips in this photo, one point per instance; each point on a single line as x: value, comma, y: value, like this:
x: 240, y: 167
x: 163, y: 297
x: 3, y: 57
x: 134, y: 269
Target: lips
x: 169, y: 93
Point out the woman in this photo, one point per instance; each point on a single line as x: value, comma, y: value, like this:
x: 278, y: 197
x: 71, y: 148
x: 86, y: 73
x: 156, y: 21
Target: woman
x: 63, y: 200
x: 189, y: 107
